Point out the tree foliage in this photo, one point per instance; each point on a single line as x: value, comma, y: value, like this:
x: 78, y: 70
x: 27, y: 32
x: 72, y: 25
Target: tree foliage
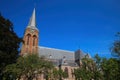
x: 98, y: 69
x: 111, y: 69
x: 59, y: 74
x: 28, y: 67
x: 116, y: 46
x: 9, y: 43
x: 85, y: 72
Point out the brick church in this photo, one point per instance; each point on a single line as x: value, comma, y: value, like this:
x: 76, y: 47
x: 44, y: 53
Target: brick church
x: 67, y: 60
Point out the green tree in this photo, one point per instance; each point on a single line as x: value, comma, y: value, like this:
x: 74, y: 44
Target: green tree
x: 55, y: 73
x: 59, y: 74
x: 97, y: 71
x: 85, y: 71
x: 111, y: 69
x: 79, y: 73
x: 87, y: 68
x: 11, y: 72
x: 9, y: 44
x: 90, y: 69
x: 29, y: 67
x: 47, y: 67
x: 116, y: 46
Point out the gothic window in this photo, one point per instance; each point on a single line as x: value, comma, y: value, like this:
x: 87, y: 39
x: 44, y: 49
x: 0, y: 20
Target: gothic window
x: 28, y: 39
x: 72, y: 73
x: 33, y: 50
x: 34, y: 40
x: 66, y: 71
x: 26, y: 50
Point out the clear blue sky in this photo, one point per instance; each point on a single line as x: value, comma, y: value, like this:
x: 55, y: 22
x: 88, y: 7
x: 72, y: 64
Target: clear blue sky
x: 90, y: 25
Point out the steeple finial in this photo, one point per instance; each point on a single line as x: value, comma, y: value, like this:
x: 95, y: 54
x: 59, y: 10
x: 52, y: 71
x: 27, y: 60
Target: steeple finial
x: 32, y: 22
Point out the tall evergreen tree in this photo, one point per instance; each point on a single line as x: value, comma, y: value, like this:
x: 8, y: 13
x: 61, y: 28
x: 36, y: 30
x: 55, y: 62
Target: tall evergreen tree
x: 9, y: 43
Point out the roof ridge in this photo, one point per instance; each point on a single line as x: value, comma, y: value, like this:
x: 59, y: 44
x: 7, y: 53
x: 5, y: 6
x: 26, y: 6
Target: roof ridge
x: 55, y: 49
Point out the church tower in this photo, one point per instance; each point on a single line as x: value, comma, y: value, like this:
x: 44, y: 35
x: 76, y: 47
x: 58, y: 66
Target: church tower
x: 30, y: 44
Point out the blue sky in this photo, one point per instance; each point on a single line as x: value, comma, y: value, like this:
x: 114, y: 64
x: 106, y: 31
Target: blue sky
x: 90, y: 25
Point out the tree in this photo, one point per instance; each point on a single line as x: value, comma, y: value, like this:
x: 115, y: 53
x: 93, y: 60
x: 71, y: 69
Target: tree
x: 47, y: 67
x: 98, y: 74
x: 11, y: 72
x: 79, y: 73
x: 59, y: 74
x: 9, y: 44
x: 90, y: 69
x: 29, y: 67
x: 85, y: 72
x: 111, y: 69
x: 55, y: 74
x: 116, y: 46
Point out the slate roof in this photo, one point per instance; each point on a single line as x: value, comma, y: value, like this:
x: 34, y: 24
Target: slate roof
x: 61, y: 57
x: 53, y: 53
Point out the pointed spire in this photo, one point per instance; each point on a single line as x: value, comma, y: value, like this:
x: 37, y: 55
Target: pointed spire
x: 32, y: 22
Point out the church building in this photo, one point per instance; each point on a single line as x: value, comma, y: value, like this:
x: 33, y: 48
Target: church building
x: 67, y: 60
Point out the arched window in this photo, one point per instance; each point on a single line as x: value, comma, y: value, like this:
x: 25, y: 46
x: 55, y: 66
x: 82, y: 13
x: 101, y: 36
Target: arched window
x: 28, y: 39
x: 26, y: 50
x: 33, y: 50
x: 34, y: 40
x: 72, y: 73
x: 66, y: 72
